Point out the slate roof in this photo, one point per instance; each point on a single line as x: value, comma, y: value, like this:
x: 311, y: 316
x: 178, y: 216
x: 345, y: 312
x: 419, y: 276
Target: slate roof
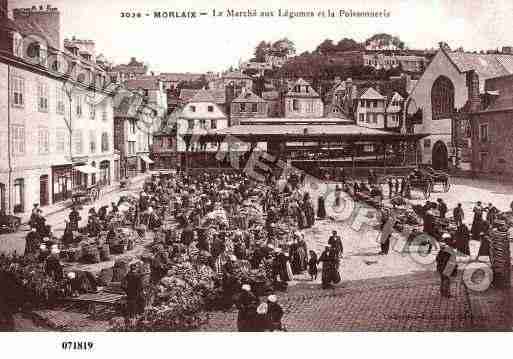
x: 309, y: 93
x: 187, y: 94
x: 27, y: 27
x: 146, y: 83
x: 203, y: 96
x: 485, y: 65
x: 266, y: 129
x: 370, y: 93
x: 248, y: 96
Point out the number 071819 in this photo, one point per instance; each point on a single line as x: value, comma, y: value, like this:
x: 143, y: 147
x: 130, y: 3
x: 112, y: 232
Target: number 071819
x: 77, y: 345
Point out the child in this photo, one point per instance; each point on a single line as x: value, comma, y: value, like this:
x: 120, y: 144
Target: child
x: 312, y: 265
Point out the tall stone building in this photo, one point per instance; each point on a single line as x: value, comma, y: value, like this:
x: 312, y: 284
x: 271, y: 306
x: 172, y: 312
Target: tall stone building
x: 491, y: 129
x: 302, y: 101
x: 56, y: 115
x: 247, y: 107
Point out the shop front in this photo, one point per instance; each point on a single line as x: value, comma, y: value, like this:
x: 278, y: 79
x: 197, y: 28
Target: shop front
x: 104, y: 173
x: 62, y: 183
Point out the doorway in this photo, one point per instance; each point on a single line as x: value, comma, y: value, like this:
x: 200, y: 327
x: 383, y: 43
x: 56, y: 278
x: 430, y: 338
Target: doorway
x: 43, y: 191
x: 440, y: 156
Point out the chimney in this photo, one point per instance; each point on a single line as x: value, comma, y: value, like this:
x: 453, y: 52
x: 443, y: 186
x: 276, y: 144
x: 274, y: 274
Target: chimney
x: 48, y: 20
x: 474, y: 98
x: 4, y: 9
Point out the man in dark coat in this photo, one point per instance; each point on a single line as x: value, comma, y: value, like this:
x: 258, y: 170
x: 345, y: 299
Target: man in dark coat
x: 134, y: 289
x: 247, y: 305
x: 491, y: 214
x: 446, y: 267
x: 458, y: 214
x: 442, y: 207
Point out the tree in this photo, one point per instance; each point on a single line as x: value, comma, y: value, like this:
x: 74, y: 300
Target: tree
x: 284, y: 47
x: 326, y: 47
x: 385, y: 40
x: 349, y: 45
x: 261, y: 50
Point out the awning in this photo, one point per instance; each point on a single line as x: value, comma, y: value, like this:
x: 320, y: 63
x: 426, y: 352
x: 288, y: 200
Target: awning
x: 87, y: 169
x: 146, y: 159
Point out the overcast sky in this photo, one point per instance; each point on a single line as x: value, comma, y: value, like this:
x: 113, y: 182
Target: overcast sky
x: 207, y: 43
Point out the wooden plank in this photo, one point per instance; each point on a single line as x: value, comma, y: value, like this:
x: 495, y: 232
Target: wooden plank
x: 101, y: 298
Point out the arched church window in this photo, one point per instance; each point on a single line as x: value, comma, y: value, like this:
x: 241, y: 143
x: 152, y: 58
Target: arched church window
x: 442, y: 98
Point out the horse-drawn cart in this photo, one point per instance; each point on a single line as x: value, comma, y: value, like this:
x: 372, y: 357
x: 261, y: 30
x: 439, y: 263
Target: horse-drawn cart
x: 425, y: 179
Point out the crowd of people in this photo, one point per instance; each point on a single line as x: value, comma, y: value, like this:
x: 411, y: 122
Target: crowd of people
x: 229, y: 218
x: 226, y: 217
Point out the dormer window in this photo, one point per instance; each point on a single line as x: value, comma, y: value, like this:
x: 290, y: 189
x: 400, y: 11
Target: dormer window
x: 17, y: 44
x: 37, y: 53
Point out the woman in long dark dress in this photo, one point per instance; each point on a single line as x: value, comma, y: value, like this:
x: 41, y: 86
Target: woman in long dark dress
x: 309, y: 212
x: 329, y: 259
x: 295, y: 260
x: 477, y: 222
x: 484, y: 248
x: 462, y: 237
x: 321, y: 208
x: 301, y: 218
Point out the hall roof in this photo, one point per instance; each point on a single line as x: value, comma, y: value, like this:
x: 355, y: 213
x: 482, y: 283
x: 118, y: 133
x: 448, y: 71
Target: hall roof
x: 265, y: 132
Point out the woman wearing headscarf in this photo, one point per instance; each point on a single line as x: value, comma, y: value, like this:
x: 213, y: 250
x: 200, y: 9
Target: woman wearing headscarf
x: 477, y: 222
x: 328, y: 267
x: 484, y: 237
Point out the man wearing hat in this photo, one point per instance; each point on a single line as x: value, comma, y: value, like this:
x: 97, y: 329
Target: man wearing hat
x: 446, y: 266
x: 274, y: 313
